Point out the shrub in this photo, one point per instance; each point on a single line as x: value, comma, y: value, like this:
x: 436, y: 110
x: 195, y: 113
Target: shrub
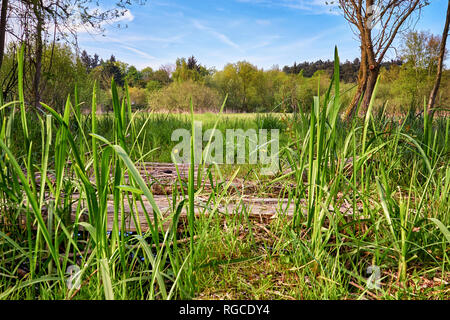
x: 176, y: 97
x: 138, y: 97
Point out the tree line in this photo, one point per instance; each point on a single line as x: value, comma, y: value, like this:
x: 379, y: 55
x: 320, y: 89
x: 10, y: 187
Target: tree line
x: 54, y: 65
x: 348, y: 69
x: 405, y: 81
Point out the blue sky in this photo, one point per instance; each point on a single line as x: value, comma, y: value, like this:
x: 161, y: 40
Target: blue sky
x: 216, y: 32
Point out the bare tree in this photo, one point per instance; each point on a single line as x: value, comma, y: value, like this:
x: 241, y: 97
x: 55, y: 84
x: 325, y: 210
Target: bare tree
x: 3, y: 19
x: 434, y: 91
x: 39, y: 23
x: 376, y: 23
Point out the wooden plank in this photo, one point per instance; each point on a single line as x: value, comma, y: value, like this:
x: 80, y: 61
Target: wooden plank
x: 255, y: 207
x: 161, y: 177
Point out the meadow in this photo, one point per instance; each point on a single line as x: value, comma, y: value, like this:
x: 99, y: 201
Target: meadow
x: 370, y: 206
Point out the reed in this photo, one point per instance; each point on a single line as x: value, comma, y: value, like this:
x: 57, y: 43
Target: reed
x: 370, y: 192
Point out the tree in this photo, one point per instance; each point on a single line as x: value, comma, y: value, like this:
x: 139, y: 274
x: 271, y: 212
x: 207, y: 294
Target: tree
x: 245, y: 85
x: 3, y: 19
x: 437, y: 82
x: 88, y: 61
x: 133, y: 76
x: 162, y: 75
x: 389, y: 17
x: 38, y: 22
x: 153, y: 85
x: 152, y: 80
x: 138, y: 97
x: 111, y: 69
x: 192, y: 64
x: 421, y: 51
x: 66, y: 71
x: 177, y: 97
x: 59, y: 80
x: 189, y: 70
x: 147, y: 74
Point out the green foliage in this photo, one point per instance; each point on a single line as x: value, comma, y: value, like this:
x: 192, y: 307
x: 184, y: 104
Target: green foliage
x: 269, y: 121
x: 133, y: 77
x: 148, y: 78
x: 62, y: 70
x: 403, y: 85
x: 421, y: 51
x: 375, y: 193
x: 138, y: 97
x: 111, y: 69
x: 189, y: 70
x: 243, y: 83
x: 176, y: 97
x: 153, y: 85
x: 406, y: 86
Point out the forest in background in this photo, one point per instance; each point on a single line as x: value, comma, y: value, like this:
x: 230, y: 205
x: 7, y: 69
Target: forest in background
x: 55, y: 66
x: 405, y: 81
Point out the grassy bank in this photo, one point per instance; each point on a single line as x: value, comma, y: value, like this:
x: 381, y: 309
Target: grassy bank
x: 371, y: 193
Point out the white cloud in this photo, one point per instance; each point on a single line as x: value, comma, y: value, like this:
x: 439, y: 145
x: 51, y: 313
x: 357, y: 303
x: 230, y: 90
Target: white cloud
x: 266, y: 42
x: 128, y: 17
x: 309, y: 6
x: 220, y: 36
x: 139, y: 52
x: 86, y: 28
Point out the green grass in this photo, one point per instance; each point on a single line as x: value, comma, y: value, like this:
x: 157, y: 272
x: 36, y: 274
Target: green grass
x: 370, y: 192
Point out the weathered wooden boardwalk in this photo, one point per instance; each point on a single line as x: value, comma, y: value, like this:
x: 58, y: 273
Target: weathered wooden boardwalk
x: 141, y: 212
x: 162, y: 176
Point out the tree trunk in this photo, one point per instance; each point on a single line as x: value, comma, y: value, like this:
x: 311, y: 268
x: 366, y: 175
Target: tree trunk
x: 38, y: 62
x: 362, y: 82
x: 3, y: 18
x: 369, y: 72
x: 350, y: 111
x: 433, y: 94
x: 371, y: 82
